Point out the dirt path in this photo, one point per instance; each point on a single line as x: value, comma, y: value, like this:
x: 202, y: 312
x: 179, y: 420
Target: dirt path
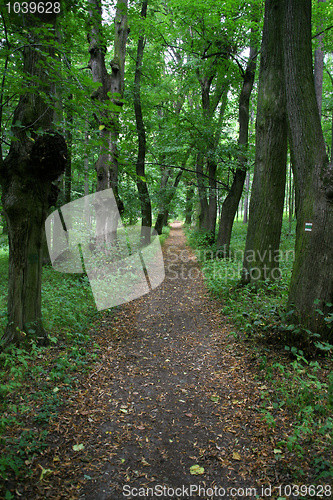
x: 173, y: 389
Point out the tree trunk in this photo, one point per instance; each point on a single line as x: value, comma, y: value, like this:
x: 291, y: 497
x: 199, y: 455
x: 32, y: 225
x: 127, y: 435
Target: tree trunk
x: 166, y: 172
x: 208, y: 207
x: 319, y: 66
x: 117, y: 91
x: 290, y: 199
x: 141, y: 182
x: 26, y: 177
x: 107, y: 163
x: 189, y: 203
x: 172, y: 193
x: 332, y: 140
x: 268, y: 188
x: 69, y: 140
x: 312, y: 277
x: 203, y: 214
x: 212, y: 204
x: 231, y: 202
x: 246, y: 199
x: 229, y: 210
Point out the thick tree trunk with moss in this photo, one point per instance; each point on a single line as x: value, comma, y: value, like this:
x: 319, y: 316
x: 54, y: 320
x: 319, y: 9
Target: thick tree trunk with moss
x: 312, y: 277
x: 141, y: 182
x: 34, y: 161
x: 261, y: 258
x: 231, y: 202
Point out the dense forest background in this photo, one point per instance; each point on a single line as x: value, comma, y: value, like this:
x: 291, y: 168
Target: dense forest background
x: 217, y: 114
x: 159, y: 102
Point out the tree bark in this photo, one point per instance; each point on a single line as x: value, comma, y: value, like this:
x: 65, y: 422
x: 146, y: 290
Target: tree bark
x: 117, y: 92
x: 319, y: 66
x: 34, y: 161
x: 246, y: 199
x: 110, y: 91
x: 210, y: 101
x: 268, y: 187
x: 171, y: 195
x: 69, y: 140
x: 166, y: 172
x: 141, y: 182
x: 189, y: 203
x: 203, y: 214
x: 231, y: 202
x: 290, y: 199
x: 312, y: 276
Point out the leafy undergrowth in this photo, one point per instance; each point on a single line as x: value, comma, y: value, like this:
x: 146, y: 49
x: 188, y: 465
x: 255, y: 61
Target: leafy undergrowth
x: 34, y: 383
x: 295, y: 365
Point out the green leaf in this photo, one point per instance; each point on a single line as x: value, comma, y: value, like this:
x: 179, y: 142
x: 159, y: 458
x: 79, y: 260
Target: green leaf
x: 78, y: 447
x: 196, y: 470
x: 214, y: 398
x: 45, y: 473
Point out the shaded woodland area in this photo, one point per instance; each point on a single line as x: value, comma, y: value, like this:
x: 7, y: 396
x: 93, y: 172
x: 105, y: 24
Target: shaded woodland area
x: 215, y: 114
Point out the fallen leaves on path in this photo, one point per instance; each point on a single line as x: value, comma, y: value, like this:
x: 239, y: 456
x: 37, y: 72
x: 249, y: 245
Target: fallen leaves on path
x: 174, y: 399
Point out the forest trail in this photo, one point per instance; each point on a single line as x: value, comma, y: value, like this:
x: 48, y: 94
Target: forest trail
x: 172, y: 389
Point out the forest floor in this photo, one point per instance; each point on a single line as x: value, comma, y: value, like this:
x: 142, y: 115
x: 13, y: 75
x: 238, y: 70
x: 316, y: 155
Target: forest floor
x: 173, y: 388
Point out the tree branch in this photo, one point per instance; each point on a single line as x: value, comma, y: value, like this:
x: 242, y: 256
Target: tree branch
x: 322, y: 31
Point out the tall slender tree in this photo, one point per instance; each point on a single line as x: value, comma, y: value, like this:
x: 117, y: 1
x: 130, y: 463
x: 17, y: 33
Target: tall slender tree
x: 141, y: 181
x: 231, y: 202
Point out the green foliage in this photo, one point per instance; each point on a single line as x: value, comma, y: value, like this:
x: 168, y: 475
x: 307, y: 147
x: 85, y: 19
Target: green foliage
x: 165, y: 234
x: 44, y: 375
x: 304, y: 387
